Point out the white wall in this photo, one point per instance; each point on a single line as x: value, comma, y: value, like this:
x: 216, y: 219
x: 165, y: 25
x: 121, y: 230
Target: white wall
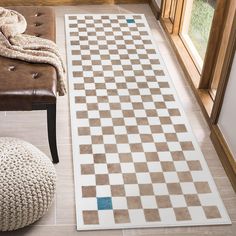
x: 227, y: 119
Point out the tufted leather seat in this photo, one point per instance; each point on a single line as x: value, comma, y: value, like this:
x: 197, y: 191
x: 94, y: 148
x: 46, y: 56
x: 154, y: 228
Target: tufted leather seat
x: 32, y: 86
x: 23, y: 84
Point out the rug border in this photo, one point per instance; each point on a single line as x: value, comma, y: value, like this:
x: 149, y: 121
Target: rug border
x: 225, y: 220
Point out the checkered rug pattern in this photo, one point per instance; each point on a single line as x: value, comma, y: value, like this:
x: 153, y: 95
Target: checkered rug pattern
x: 136, y: 161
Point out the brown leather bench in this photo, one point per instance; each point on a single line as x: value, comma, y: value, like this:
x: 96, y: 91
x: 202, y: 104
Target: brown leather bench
x: 27, y: 86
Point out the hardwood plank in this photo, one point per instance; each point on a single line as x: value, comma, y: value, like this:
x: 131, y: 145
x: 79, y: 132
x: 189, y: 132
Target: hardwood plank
x: 59, y: 230
x: 184, y: 231
x: 65, y: 2
x: 130, y: 1
x: 136, y: 9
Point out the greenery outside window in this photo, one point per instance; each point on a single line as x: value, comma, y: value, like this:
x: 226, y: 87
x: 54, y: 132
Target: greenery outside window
x: 195, y: 28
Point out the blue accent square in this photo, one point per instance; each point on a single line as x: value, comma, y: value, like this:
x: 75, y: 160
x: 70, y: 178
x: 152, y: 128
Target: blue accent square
x: 104, y: 203
x: 130, y: 21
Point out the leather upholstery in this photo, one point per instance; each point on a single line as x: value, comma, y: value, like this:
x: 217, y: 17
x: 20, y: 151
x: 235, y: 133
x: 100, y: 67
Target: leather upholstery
x: 24, y: 84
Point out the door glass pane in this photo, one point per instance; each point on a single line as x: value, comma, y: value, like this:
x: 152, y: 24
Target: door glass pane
x: 196, y: 28
x: 200, y: 24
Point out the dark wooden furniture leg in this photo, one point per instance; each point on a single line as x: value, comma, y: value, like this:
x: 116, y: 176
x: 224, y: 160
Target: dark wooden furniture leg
x: 52, y: 137
x: 51, y: 125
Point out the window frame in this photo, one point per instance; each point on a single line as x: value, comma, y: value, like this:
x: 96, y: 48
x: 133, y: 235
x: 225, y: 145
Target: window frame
x: 200, y: 80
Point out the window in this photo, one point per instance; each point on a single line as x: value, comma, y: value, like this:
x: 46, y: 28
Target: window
x: 195, y: 29
x: 199, y: 30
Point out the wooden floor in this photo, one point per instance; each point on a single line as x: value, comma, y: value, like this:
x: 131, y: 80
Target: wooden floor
x: 31, y: 126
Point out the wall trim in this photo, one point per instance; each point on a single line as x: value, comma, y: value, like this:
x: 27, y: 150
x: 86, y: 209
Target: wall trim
x: 224, y: 154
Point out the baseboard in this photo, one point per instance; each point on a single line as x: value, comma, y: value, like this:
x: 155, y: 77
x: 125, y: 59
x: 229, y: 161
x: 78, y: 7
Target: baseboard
x: 65, y: 2
x: 224, y: 154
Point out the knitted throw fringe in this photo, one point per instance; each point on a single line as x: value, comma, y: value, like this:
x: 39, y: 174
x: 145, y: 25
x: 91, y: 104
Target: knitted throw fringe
x: 16, y: 45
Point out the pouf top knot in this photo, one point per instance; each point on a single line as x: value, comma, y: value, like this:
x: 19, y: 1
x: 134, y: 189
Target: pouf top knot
x: 27, y: 183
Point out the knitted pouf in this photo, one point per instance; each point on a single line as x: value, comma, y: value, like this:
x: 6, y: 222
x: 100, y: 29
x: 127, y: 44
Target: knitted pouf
x: 27, y: 183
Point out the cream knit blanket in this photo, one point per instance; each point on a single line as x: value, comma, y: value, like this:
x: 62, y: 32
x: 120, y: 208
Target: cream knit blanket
x: 14, y: 44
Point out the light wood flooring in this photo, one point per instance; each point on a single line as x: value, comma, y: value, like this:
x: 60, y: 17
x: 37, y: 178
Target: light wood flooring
x: 31, y: 126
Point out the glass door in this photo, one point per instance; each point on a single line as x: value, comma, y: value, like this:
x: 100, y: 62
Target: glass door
x: 195, y: 28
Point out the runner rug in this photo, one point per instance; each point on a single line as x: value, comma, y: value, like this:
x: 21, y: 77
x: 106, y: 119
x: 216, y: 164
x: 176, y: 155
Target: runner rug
x: 136, y: 161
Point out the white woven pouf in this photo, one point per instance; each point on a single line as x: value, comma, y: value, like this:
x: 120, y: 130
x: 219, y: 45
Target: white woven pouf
x: 27, y: 183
